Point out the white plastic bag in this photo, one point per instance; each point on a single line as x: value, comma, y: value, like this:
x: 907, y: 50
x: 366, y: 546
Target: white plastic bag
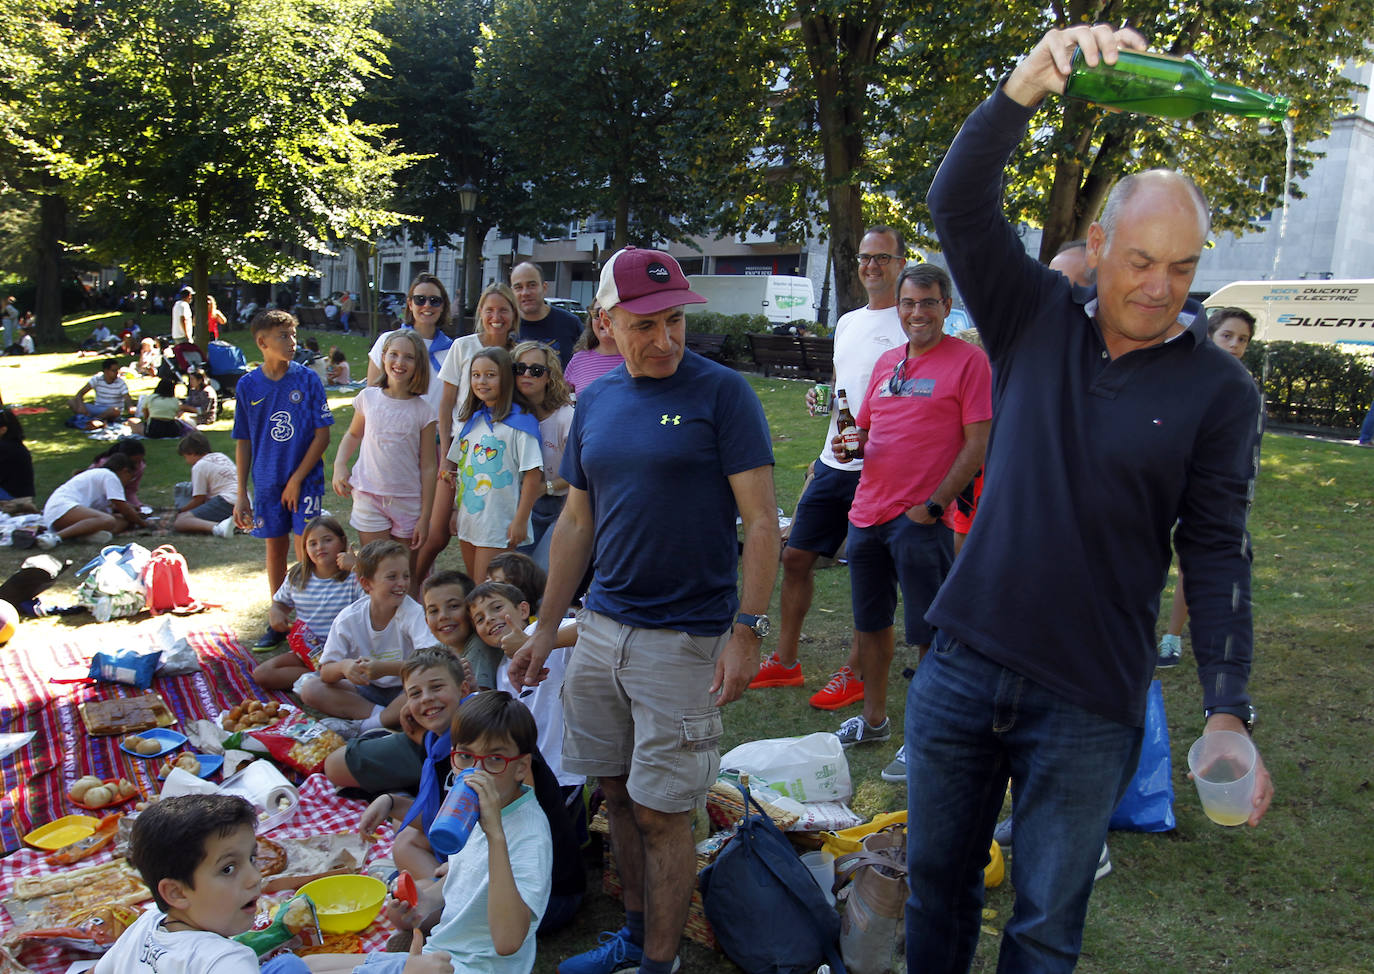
x: 809, y: 769
x: 178, y: 656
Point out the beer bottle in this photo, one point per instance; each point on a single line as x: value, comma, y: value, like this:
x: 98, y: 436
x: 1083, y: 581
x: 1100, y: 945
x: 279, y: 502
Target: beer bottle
x: 1150, y: 83
x: 847, y: 428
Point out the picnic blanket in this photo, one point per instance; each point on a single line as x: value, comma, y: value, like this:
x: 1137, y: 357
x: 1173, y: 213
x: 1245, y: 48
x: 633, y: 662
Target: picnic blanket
x: 33, y: 780
x: 320, y: 811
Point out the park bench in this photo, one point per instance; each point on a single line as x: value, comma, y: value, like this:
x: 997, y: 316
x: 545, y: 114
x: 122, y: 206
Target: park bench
x: 793, y: 356
x: 710, y: 345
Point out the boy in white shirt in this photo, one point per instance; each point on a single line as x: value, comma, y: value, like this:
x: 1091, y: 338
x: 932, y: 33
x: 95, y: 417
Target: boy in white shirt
x: 214, y: 489
x: 359, y: 674
x: 196, y: 853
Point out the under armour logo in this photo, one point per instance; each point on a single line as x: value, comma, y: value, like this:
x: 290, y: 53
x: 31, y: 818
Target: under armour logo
x: 675, y: 420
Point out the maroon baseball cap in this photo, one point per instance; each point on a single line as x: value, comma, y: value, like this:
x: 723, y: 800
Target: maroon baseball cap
x: 644, y: 282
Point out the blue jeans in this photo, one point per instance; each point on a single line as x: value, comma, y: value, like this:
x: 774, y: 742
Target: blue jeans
x: 1367, y: 427
x: 970, y: 724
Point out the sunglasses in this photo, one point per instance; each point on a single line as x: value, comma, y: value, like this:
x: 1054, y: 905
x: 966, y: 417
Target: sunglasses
x: 490, y: 763
x: 534, y: 371
x: 420, y: 300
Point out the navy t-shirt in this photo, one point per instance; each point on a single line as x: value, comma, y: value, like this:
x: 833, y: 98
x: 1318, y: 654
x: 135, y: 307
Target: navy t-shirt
x: 558, y: 328
x: 654, y: 456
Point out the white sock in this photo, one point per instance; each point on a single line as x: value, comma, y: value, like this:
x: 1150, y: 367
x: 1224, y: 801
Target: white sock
x: 374, y: 719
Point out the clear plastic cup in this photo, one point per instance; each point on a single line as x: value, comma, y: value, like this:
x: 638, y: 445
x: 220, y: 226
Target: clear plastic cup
x: 822, y: 867
x: 1223, y: 767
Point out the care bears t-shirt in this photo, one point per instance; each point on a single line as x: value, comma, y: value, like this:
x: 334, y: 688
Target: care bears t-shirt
x: 491, y: 461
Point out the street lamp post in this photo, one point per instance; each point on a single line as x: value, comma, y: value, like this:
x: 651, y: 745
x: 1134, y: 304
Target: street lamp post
x: 467, y: 200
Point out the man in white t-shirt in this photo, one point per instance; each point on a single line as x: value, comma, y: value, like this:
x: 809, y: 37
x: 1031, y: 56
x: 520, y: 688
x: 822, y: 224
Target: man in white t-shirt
x: 821, y: 521
x: 110, y: 394
x: 183, y: 321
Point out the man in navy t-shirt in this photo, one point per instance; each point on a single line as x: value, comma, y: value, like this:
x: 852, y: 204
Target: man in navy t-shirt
x: 539, y: 320
x: 662, y: 453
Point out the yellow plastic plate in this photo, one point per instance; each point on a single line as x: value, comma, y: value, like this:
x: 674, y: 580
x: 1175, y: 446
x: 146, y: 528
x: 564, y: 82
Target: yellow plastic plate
x: 61, y: 833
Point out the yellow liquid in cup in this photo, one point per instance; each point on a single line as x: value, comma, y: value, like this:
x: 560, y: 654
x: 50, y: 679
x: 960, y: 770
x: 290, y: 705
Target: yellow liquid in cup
x: 1227, y: 817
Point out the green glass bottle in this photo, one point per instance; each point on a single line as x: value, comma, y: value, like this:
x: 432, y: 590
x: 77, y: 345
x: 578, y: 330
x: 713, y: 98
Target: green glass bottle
x: 1166, y: 86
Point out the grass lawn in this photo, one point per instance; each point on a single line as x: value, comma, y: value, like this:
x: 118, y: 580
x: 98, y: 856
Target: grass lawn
x: 1285, y: 897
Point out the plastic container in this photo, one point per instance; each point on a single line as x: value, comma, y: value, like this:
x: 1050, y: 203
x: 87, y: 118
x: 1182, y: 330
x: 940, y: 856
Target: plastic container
x: 821, y: 865
x: 456, y: 817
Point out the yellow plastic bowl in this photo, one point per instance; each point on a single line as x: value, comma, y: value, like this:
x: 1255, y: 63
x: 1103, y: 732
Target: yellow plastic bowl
x: 346, y: 904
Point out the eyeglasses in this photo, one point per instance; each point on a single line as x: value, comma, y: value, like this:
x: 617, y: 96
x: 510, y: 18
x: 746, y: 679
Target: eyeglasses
x: 420, y: 300
x: 534, y: 371
x: 925, y: 304
x: 880, y: 259
x: 490, y: 763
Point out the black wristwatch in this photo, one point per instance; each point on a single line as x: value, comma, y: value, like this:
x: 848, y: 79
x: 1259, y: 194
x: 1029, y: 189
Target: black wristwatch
x: 1245, y: 713
x: 760, y: 624
x: 935, y: 509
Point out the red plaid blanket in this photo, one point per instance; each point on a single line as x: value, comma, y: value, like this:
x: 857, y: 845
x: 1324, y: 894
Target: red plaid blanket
x: 33, y: 780
x: 320, y: 811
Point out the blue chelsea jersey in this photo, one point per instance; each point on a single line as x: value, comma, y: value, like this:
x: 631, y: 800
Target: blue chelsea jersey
x: 279, y: 419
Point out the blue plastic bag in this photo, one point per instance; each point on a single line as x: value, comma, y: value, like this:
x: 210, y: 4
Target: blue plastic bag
x: 1148, y: 805
x: 130, y: 667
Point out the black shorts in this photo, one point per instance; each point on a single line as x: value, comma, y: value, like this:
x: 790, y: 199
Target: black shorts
x: 821, y: 521
x: 384, y: 764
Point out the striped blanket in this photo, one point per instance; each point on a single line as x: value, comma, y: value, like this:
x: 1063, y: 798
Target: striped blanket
x: 33, y: 780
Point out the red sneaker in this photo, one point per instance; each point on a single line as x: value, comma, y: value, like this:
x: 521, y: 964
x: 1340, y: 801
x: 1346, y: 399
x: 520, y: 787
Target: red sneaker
x: 843, y: 689
x: 774, y: 674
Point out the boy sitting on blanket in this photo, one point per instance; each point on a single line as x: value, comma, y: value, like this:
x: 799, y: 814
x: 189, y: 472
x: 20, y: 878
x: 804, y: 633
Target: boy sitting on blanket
x: 197, y: 854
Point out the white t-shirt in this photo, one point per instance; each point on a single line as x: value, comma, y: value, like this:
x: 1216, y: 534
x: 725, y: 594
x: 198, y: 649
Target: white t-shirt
x: 457, y: 371
x: 553, y: 440
x: 491, y: 464
x: 352, y: 636
x: 463, y: 930
x: 861, y: 336
x: 436, y: 387
x: 108, y: 394
x: 214, y: 475
x: 90, y: 488
x: 146, y: 947
x: 546, y: 704
x: 181, y: 316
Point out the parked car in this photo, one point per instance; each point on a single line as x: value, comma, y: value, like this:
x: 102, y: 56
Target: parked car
x: 568, y: 304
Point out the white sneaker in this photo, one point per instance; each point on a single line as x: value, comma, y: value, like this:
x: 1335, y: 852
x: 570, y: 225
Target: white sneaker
x: 1104, y: 864
x: 896, y: 771
x: 48, y: 540
x: 225, y: 528
x: 101, y: 538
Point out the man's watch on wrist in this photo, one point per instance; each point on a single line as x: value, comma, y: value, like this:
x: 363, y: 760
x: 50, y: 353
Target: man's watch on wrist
x: 935, y: 510
x: 759, y: 624
x: 1246, y: 715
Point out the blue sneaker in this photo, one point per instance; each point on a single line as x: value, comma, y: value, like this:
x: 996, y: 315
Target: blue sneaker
x: 615, y: 952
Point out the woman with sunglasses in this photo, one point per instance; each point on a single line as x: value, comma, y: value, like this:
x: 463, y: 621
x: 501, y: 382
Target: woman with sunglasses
x: 427, y: 311
x: 497, y: 315
x: 539, y: 377
x: 599, y: 355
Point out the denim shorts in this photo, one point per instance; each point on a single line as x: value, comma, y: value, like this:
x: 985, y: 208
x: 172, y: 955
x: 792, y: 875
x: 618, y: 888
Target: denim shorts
x: 897, y: 554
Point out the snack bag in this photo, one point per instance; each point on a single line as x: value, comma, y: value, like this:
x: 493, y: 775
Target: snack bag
x: 307, y: 646
x: 93, y: 931
x: 295, y: 920
x: 299, y: 742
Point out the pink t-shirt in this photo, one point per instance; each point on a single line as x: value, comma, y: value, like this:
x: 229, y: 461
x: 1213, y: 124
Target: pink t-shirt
x: 389, y: 458
x: 589, y: 365
x: 915, y: 434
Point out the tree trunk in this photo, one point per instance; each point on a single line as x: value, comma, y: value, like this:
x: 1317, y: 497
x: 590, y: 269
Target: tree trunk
x: 838, y: 50
x: 200, y: 283
x: 47, y: 301
x: 362, y: 257
x: 622, y: 223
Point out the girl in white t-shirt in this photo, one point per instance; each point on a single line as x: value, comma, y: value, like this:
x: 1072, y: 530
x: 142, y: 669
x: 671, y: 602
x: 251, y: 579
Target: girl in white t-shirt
x: 393, y: 429
x: 495, y: 462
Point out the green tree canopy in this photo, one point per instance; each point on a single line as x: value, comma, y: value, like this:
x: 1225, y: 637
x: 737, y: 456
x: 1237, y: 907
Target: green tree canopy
x: 647, y: 112
x: 215, y: 135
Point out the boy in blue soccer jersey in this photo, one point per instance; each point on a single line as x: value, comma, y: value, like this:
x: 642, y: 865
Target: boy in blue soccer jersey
x: 281, y: 425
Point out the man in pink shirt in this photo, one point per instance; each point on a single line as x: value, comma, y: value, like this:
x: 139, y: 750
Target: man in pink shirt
x: 924, y: 423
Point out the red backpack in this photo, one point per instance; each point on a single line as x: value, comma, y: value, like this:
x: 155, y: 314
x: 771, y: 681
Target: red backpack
x: 166, y: 582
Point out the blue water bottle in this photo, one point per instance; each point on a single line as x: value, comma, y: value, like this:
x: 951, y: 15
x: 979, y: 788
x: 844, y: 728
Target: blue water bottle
x: 456, y: 817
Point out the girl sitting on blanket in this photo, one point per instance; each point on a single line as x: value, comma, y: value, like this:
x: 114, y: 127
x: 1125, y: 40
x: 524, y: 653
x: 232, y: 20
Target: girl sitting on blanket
x: 317, y: 593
